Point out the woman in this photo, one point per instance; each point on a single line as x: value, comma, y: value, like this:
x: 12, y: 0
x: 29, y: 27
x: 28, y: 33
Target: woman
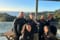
x: 47, y: 35
x: 26, y: 32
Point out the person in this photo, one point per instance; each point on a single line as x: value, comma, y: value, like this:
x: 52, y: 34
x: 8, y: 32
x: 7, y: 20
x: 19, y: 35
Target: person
x: 52, y: 22
x: 26, y: 31
x: 47, y: 35
x: 33, y: 24
x: 41, y: 22
x: 51, y: 19
x: 18, y: 23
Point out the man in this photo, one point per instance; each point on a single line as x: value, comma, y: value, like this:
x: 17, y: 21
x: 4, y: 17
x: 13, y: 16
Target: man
x: 41, y: 22
x: 33, y: 25
x: 52, y: 23
x: 18, y: 23
x: 51, y: 19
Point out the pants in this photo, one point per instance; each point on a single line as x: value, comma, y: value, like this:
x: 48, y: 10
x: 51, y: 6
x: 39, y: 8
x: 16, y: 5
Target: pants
x: 40, y: 34
x: 17, y: 37
x: 36, y: 36
x: 28, y: 37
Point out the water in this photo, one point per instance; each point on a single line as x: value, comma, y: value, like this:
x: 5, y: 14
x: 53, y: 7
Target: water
x: 6, y: 26
x: 3, y: 38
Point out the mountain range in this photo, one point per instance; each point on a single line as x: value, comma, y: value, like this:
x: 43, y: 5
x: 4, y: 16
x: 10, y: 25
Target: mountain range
x: 11, y: 15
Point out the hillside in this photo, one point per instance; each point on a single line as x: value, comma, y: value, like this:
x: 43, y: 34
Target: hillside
x: 10, y: 16
x: 6, y: 17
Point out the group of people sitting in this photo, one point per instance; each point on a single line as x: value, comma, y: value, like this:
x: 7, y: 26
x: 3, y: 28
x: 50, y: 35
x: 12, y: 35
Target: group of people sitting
x: 26, y: 28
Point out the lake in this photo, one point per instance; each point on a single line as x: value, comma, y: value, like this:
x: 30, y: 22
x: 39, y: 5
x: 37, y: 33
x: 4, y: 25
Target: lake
x: 6, y: 26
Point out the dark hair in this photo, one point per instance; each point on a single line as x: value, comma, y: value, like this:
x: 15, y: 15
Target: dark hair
x: 47, y: 26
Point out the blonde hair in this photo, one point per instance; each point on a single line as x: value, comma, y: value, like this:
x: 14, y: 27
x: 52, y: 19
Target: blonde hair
x: 25, y: 27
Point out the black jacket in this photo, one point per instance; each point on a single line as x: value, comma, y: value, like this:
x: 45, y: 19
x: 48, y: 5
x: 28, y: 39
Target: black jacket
x: 41, y: 24
x: 52, y: 24
x: 18, y: 23
x: 53, y: 29
x: 33, y: 25
x: 52, y: 21
x: 27, y: 35
x: 49, y: 36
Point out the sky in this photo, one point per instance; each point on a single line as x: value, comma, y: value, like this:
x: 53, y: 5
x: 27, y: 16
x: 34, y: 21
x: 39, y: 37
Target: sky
x: 28, y: 5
